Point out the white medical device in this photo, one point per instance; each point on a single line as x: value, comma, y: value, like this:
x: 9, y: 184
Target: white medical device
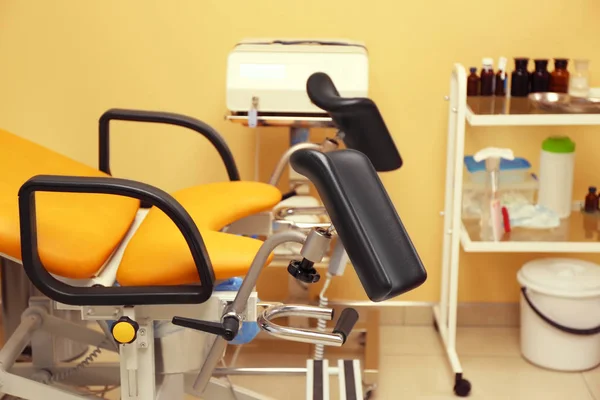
x: 268, y: 76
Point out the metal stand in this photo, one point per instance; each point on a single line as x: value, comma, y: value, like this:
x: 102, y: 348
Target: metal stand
x: 17, y: 295
x: 446, y: 312
x: 16, y: 290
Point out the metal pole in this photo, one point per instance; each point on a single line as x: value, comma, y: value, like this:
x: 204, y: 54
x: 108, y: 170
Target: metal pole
x: 239, y: 303
x: 241, y: 299
x: 18, y: 341
x: 16, y: 290
x: 283, y: 161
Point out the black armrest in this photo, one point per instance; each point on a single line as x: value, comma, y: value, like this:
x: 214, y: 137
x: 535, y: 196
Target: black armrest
x: 365, y: 219
x: 67, y: 294
x: 359, y: 119
x: 163, y: 118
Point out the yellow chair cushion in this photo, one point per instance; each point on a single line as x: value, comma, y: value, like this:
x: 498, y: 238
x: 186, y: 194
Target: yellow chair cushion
x: 76, y: 232
x: 158, y: 254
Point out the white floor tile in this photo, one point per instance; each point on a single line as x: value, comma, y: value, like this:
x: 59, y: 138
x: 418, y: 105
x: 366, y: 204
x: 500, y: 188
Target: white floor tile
x: 494, y: 342
x: 493, y: 378
x: 409, y: 340
x: 592, y: 379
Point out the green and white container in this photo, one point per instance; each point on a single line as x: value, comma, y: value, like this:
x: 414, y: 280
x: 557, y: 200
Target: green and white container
x: 557, y: 164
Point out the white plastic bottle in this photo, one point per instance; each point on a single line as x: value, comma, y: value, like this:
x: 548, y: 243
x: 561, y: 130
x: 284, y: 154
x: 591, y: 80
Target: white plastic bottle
x: 491, y: 226
x: 557, y: 165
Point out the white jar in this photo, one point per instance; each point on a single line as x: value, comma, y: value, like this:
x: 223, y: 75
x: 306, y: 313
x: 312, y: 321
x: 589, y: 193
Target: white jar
x: 579, y: 81
x: 557, y: 164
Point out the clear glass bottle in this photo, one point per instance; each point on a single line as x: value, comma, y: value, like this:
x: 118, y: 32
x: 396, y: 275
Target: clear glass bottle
x: 491, y: 223
x: 579, y: 80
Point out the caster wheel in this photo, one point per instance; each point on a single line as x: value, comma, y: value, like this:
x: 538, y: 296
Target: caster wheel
x: 362, y: 339
x: 462, y: 387
x: 368, y: 395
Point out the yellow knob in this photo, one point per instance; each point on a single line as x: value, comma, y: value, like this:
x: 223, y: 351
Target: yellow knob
x: 124, y: 331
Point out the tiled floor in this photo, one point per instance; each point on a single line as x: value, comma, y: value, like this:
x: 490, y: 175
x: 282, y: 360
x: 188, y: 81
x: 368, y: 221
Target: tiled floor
x: 413, y: 366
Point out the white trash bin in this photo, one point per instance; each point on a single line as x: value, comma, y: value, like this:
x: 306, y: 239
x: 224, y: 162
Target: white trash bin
x: 560, y: 313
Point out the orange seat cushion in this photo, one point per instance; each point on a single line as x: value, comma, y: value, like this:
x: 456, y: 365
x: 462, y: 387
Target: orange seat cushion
x: 158, y: 254
x: 76, y: 232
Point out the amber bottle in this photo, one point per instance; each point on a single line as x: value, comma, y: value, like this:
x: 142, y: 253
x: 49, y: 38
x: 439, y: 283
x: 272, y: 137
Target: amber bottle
x: 500, y: 89
x: 519, y: 86
x: 591, y: 201
x: 540, y: 80
x: 473, y: 82
x: 486, y: 81
x: 559, y: 79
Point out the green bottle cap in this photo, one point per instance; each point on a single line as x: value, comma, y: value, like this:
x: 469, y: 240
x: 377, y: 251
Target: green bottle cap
x: 558, y: 144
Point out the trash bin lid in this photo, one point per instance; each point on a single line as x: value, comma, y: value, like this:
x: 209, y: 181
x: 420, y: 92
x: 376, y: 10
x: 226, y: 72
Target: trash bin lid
x: 562, y: 277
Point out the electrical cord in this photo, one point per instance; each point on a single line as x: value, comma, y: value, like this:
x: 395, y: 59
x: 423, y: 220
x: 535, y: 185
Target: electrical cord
x: 86, y: 362
x: 322, y: 323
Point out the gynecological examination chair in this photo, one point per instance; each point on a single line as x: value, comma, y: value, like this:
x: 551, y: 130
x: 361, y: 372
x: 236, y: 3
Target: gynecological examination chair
x: 144, y: 264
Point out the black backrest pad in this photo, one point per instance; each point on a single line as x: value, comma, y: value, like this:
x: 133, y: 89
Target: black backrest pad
x: 360, y: 120
x: 365, y: 219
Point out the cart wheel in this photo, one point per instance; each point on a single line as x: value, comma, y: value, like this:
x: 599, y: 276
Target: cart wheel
x: 462, y: 387
x: 369, y: 392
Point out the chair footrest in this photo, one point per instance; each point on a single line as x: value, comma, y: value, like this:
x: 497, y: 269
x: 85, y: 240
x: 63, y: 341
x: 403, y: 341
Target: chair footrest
x: 349, y: 378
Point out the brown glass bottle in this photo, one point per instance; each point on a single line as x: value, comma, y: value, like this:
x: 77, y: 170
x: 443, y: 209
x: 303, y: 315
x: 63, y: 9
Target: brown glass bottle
x: 486, y: 80
x: 519, y: 86
x: 540, y: 80
x: 473, y: 82
x: 559, y: 79
x: 591, y: 201
x: 500, y: 83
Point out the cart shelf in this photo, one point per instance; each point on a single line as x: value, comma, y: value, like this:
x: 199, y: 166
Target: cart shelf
x: 507, y: 111
x: 577, y: 234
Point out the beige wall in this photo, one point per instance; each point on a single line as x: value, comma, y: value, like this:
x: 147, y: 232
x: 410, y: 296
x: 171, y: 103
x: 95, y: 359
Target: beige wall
x: 64, y: 62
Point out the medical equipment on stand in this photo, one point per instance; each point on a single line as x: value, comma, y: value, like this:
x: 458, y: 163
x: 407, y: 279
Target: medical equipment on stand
x: 269, y: 76
x: 267, y: 86
x: 135, y: 268
x: 287, y: 99
x: 491, y: 226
